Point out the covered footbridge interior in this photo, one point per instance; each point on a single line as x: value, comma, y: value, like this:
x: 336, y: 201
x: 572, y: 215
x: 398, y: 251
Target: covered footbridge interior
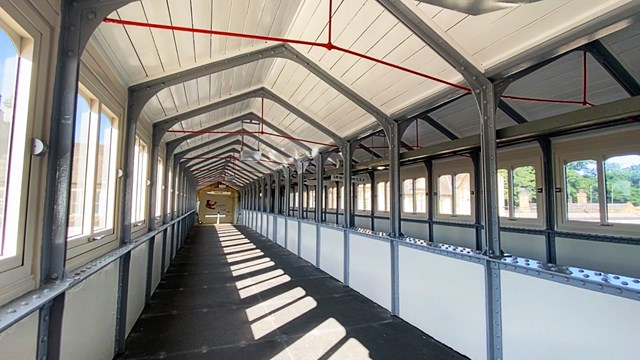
x: 470, y: 168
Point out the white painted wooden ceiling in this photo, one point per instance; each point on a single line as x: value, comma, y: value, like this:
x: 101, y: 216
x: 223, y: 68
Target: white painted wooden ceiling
x: 140, y: 54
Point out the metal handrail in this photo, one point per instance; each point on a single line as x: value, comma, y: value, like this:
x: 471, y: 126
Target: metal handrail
x: 23, y: 306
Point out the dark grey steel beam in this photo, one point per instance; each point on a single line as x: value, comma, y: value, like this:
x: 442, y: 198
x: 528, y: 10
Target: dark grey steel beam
x: 439, y: 127
x: 511, y: 112
x: 612, y: 65
x: 225, y: 149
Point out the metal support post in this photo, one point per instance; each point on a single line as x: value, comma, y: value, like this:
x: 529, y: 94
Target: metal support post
x: 347, y: 155
x: 372, y: 217
x: 477, y: 196
x: 276, y: 203
x: 549, y: 193
x: 287, y: 190
x: 301, y: 167
x: 394, y: 133
x: 430, y: 197
x: 319, y: 161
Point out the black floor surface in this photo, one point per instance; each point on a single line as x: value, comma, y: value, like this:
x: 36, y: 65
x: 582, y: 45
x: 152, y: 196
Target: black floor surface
x: 232, y: 294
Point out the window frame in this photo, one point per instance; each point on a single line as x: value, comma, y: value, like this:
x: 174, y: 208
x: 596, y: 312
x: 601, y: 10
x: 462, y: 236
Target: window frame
x: 414, y: 214
x: 139, y: 225
x: 599, y: 147
x: 160, y: 188
x: 89, y: 238
x: 517, y: 157
x: 453, y: 167
x: 362, y: 197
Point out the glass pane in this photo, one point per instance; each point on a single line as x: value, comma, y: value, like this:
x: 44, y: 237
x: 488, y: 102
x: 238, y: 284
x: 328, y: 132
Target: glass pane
x: 503, y: 192
x: 421, y: 195
x: 445, y: 195
x: 360, y: 197
x: 367, y: 197
x: 387, y: 196
x: 79, y: 167
x: 312, y: 198
x: 169, y: 198
x: 622, y: 176
x: 8, y: 79
x: 582, y: 190
x: 380, y: 194
x: 524, y: 192
x: 136, y: 174
x: 159, y: 184
x: 341, y: 197
x: 407, y: 192
x: 103, y: 174
x: 463, y: 194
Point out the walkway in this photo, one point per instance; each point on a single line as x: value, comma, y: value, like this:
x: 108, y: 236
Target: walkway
x: 232, y: 294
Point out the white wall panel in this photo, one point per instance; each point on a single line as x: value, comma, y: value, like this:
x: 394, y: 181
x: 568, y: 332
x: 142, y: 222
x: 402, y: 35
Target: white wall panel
x: 524, y: 245
x: 19, y: 341
x: 332, y: 252
x: 612, y: 258
x: 271, y: 234
x: 454, y: 235
x: 89, y: 321
x: 157, y: 262
x: 292, y: 236
x: 565, y: 322
x: 370, y: 268
x: 445, y: 298
x: 137, y: 284
x: 263, y: 224
x: 308, y: 242
x: 281, y: 231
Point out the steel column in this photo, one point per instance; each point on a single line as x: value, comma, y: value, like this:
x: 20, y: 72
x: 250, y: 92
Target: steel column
x: 301, y: 167
x: 549, y: 193
x: 319, y: 160
x: 347, y: 155
x: 276, y: 202
x: 287, y: 190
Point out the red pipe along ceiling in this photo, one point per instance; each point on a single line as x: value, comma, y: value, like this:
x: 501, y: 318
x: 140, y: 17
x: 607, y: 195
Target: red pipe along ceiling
x: 330, y: 46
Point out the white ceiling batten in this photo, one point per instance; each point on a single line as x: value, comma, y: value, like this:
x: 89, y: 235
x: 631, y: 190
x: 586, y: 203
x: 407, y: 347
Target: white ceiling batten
x: 488, y: 40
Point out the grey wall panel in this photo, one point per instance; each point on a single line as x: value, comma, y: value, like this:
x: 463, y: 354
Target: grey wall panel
x: 612, y: 258
x: 418, y: 230
x: 167, y: 255
x: 308, y: 242
x: 363, y: 222
x: 89, y: 321
x: 382, y: 225
x: 524, y: 245
x: 546, y: 320
x: 331, y: 219
x: 19, y: 341
x: 137, y: 284
x: 370, y: 268
x: 271, y: 235
x: 445, y: 298
x: 332, y: 252
x: 454, y: 235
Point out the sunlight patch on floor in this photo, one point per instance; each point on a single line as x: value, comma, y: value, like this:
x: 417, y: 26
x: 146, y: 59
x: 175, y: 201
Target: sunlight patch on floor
x: 258, y: 278
x: 249, y: 264
x: 282, y: 317
x: 238, y: 248
x: 244, y: 255
x: 274, y: 303
x: 316, y: 342
x: 263, y: 286
x: 250, y: 269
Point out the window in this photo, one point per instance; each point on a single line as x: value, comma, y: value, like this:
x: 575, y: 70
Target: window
x: 170, y: 192
x: 141, y: 156
x: 364, y: 197
x: 15, y: 81
x: 341, y: 197
x: 407, y: 193
x: 384, y: 196
x: 414, y: 192
x: 159, y: 188
x: 312, y: 199
x: 604, y: 191
x: 421, y: 195
x: 454, y: 194
x: 93, y: 175
x: 517, y: 192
